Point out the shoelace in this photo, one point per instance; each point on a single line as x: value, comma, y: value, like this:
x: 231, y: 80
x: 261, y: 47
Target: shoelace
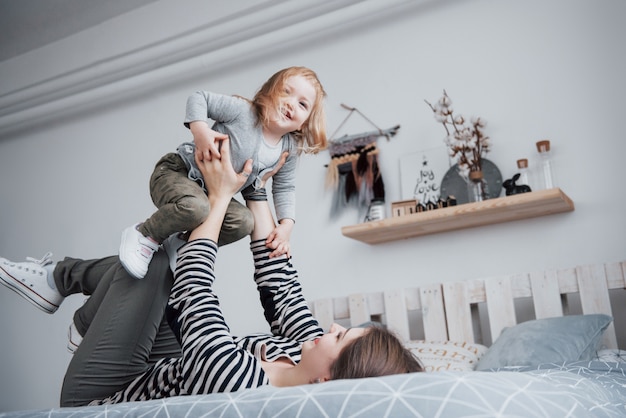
x: 45, y: 260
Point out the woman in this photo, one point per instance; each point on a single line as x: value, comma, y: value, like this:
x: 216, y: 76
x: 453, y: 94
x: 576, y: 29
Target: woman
x: 128, y: 352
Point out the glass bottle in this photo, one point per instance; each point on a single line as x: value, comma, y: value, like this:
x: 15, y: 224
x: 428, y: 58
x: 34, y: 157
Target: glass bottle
x: 545, y: 164
x: 477, y: 189
x: 524, y: 178
x: 376, y: 210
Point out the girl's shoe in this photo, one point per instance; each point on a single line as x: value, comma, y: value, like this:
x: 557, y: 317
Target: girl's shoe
x: 32, y: 279
x: 136, y: 251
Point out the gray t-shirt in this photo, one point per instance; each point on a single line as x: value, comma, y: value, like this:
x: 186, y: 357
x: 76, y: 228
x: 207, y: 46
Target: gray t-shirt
x: 235, y: 117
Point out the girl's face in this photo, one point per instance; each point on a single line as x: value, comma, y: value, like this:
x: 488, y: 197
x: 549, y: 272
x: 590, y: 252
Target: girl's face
x: 322, y: 352
x: 294, y: 107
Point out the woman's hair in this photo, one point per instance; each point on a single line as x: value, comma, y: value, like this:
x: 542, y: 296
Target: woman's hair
x: 377, y: 353
x: 312, y: 136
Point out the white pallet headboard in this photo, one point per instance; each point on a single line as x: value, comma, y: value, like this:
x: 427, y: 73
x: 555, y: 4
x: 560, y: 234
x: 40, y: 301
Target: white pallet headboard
x: 448, y: 310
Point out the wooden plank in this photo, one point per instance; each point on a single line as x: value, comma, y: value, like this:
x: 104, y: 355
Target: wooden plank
x: 476, y: 291
x: 433, y: 314
x: 324, y: 313
x: 376, y: 303
x: 341, y: 307
x: 412, y: 298
x: 396, y: 313
x: 520, y: 286
x: 458, y: 312
x: 567, y: 280
x: 359, y: 311
x: 469, y: 215
x: 500, y: 306
x: 615, y: 273
x: 546, y: 294
x: 594, y: 297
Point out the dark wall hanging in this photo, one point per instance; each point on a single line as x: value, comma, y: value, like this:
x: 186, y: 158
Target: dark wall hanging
x: 354, y: 171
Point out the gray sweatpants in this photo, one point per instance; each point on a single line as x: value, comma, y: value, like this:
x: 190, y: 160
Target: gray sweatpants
x: 122, y: 322
x: 183, y: 205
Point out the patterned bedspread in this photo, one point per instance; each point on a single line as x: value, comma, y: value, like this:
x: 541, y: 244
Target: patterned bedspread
x: 582, y: 389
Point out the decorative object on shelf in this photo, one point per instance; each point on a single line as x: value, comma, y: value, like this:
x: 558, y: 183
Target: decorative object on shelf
x: 353, y: 172
x: 546, y: 175
x: 524, y: 176
x: 403, y: 207
x: 477, y: 188
x: 421, y: 173
x: 453, y: 184
x: 441, y: 203
x: 376, y: 210
x: 511, y: 188
x: 411, y: 206
x: 427, y: 188
x: 467, y: 143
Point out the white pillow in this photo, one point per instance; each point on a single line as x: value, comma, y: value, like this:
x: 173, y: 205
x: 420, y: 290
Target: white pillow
x: 611, y: 355
x: 439, y: 356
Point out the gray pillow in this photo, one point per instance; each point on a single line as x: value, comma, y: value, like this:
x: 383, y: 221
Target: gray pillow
x: 549, y: 340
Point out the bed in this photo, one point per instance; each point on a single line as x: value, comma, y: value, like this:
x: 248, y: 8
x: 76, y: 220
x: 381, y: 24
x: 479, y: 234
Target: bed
x: 484, y: 353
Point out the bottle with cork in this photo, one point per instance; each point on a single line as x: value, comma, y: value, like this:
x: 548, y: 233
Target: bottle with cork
x: 545, y: 175
x: 524, y: 177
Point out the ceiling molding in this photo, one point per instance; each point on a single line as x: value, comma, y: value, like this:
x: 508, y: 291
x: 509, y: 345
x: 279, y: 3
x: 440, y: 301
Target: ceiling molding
x: 198, y: 51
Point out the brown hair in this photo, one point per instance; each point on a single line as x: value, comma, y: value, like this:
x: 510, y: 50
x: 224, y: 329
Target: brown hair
x: 378, y: 352
x: 312, y: 136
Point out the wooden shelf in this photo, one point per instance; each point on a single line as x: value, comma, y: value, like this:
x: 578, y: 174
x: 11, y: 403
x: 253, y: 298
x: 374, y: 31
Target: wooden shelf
x: 492, y: 211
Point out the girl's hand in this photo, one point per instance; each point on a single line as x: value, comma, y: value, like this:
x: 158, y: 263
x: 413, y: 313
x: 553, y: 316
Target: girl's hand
x: 279, y: 165
x: 278, y: 240
x: 206, y: 140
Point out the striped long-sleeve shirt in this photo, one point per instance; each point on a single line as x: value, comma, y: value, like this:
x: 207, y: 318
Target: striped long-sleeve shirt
x: 212, y: 359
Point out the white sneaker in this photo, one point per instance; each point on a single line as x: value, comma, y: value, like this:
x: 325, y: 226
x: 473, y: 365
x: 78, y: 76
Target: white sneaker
x: 136, y: 252
x: 30, y: 280
x: 73, y: 338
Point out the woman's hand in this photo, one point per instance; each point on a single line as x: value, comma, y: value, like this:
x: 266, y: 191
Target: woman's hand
x: 222, y: 183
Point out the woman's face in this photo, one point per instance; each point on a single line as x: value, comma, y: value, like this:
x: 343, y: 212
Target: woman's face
x: 295, y: 106
x: 322, y: 352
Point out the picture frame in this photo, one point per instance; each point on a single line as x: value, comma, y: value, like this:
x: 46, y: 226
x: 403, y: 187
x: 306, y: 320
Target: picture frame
x: 421, y: 173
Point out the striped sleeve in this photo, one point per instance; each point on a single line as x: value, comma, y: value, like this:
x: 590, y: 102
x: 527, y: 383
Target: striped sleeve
x: 211, y: 361
x: 284, y: 306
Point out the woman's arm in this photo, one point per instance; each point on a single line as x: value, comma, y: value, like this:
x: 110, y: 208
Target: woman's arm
x: 211, y: 361
x: 222, y: 183
x: 284, y: 306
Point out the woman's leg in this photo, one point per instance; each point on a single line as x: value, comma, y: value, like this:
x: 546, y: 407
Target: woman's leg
x: 118, y: 344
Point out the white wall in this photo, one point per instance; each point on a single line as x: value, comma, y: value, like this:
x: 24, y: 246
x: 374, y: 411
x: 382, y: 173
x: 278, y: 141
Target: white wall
x: 74, y: 171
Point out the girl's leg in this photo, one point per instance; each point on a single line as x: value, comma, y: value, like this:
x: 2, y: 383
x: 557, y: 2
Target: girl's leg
x: 118, y: 344
x: 182, y: 203
x: 238, y: 223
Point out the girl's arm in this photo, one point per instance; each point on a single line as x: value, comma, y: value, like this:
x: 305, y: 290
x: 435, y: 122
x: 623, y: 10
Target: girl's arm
x: 203, y: 106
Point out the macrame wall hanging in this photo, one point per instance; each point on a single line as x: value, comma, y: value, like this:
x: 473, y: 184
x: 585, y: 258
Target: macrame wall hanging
x: 353, y: 172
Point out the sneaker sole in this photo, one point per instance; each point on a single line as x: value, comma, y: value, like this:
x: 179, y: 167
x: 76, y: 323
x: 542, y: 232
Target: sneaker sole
x: 26, y: 292
x: 71, y: 345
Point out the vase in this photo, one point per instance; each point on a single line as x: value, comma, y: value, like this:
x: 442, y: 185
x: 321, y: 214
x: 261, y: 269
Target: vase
x: 477, y: 189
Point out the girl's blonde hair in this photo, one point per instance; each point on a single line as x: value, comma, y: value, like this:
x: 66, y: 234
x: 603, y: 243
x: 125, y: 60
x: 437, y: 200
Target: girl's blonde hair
x: 312, y: 136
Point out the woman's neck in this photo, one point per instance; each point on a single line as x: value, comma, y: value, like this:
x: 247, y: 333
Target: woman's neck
x: 283, y: 374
